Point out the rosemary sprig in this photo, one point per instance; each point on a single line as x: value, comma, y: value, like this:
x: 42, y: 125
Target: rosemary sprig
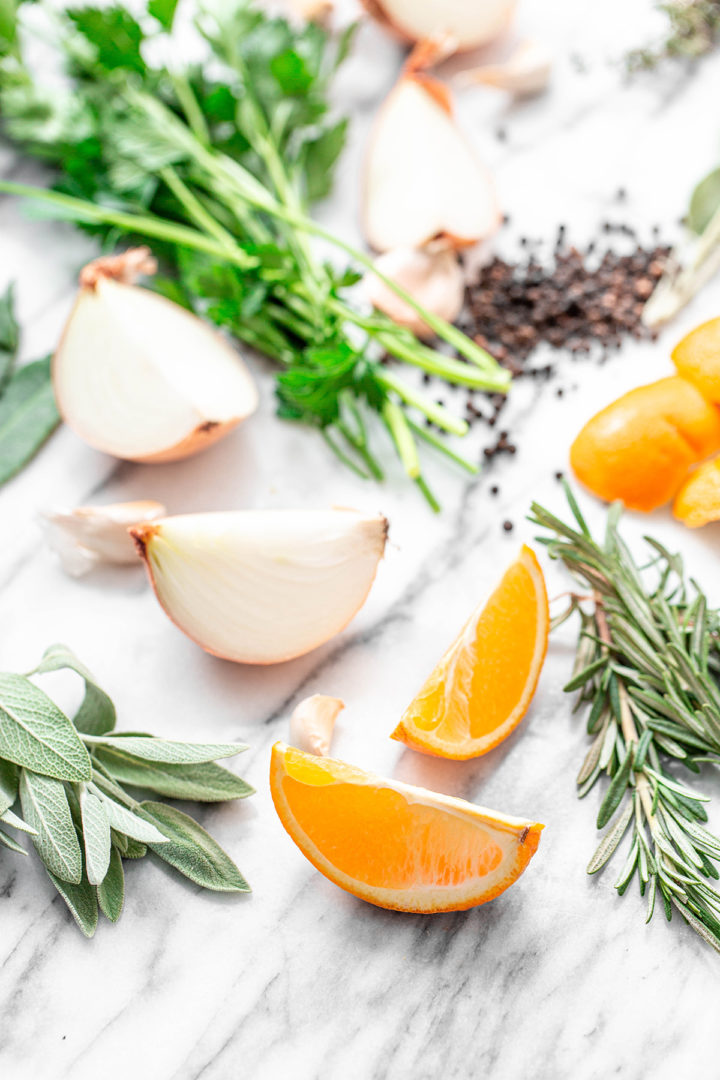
x: 62, y: 782
x: 647, y: 664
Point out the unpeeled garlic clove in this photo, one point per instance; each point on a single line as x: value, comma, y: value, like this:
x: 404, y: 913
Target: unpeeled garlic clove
x: 470, y: 22
x: 138, y: 376
x: 423, y: 181
x: 432, y: 277
x: 313, y: 722
x: 262, y: 586
x: 526, y: 72
x: 89, y: 535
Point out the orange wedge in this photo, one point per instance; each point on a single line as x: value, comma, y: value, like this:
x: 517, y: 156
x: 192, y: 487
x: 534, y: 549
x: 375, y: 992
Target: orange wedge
x: 394, y: 845
x: 483, y: 686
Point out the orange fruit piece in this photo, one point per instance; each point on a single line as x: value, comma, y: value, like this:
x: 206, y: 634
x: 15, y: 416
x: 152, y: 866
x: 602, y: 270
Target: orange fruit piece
x: 698, y: 500
x: 483, y: 685
x: 697, y: 358
x: 394, y: 845
x: 639, y: 449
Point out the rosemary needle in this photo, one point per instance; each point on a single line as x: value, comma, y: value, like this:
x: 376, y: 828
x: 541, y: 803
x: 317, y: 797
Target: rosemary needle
x: 647, y: 663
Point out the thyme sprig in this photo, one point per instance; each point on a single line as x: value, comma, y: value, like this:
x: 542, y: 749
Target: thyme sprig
x: 647, y: 663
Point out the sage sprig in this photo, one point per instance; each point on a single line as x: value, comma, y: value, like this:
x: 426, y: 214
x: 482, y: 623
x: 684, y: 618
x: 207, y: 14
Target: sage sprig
x: 62, y: 783
x: 647, y: 664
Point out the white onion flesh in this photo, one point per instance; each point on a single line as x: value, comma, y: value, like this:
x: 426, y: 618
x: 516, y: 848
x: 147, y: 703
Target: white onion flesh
x: 422, y: 179
x: 433, y: 278
x: 90, y: 535
x: 260, y: 587
x: 141, y: 378
x: 469, y: 22
x: 313, y: 722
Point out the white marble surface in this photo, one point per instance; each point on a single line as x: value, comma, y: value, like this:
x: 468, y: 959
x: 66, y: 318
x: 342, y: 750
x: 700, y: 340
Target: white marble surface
x: 558, y: 977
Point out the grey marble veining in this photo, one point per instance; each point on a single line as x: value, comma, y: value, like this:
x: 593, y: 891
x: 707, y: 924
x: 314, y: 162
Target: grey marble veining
x: 557, y: 978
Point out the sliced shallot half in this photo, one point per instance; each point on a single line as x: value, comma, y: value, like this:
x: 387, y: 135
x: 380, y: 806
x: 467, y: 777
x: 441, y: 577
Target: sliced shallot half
x: 262, y: 586
x: 138, y: 376
x: 423, y: 180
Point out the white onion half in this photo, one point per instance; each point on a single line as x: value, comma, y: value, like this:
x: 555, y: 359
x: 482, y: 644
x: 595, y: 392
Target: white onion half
x: 469, y: 22
x: 422, y: 179
x: 262, y: 586
x: 141, y: 378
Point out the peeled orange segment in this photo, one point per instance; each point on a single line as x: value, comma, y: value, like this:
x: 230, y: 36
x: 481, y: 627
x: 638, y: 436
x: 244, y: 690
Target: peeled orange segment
x: 697, y: 359
x: 697, y: 502
x: 394, y: 845
x: 483, y: 686
x: 640, y: 447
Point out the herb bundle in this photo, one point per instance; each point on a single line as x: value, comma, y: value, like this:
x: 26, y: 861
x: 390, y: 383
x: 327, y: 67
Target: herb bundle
x: 69, y: 778
x: 647, y: 662
x: 693, y: 27
x: 28, y: 414
x: 219, y: 171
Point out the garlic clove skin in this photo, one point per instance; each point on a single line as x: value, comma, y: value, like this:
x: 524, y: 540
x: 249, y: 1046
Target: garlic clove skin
x: 89, y: 535
x: 313, y: 722
x: 422, y: 180
x: 141, y: 378
x: 526, y: 72
x: 434, y: 278
x: 262, y: 586
x: 470, y: 22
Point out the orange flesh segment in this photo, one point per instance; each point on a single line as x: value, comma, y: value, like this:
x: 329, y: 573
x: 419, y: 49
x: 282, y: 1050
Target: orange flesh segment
x: 697, y: 502
x: 697, y: 358
x: 394, y: 845
x: 483, y: 685
x: 640, y: 447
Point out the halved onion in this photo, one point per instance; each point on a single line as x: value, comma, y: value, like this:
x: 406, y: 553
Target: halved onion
x: 469, y: 22
x: 141, y: 378
x: 422, y: 179
x: 262, y: 586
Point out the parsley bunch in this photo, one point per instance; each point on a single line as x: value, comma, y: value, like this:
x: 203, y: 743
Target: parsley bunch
x: 217, y: 162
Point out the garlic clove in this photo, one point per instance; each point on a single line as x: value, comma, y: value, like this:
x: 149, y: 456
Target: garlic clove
x: 313, y: 722
x: 89, y: 535
x: 433, y: 278
x: 422, y: 179
x: 141, y: 378
x: 317, y: 11
x: 526, y: 72
x: 470, y: 22
x: 262, y: 586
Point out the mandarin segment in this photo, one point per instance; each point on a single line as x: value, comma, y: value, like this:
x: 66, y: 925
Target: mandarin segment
x: 483, y: 685
x: 697, y: 502
x: 697, y: 359
x: 394, y: 845
x: 640, y: 447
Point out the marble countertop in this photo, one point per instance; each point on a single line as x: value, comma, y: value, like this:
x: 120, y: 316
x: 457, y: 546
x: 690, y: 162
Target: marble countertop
x: 556, y: 978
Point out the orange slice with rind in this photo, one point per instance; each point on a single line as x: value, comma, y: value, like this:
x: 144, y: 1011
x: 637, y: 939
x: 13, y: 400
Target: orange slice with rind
x: 483, y: 685
x: 394, y: 845
x: 697, y: 358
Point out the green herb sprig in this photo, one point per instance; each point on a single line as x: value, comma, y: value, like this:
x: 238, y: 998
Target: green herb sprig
x: 647, y: 663
x: 28, y: 413
x: 62, y: 781
x: 219, y: 171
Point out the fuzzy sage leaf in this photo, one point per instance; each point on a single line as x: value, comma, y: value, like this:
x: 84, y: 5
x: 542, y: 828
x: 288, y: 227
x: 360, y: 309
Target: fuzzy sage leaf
x: 193, y: 851
x: 45, y: 807
x: 35, y: 734
x: 96, y: 715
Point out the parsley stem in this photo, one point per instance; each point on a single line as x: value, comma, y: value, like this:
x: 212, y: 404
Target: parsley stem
x: 146, y: 224
x: 397, y: 424
x: 437, y: 413
x: 431, y: 438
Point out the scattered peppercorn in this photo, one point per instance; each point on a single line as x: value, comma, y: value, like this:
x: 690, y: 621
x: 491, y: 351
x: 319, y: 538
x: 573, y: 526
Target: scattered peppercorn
x: 508, y: 526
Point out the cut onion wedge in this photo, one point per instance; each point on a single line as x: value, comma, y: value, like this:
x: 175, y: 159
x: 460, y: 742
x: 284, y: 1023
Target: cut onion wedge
x: 262, y: 586
x: 469, y: 22
x: 422, y: 179
x: 141, y: 378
